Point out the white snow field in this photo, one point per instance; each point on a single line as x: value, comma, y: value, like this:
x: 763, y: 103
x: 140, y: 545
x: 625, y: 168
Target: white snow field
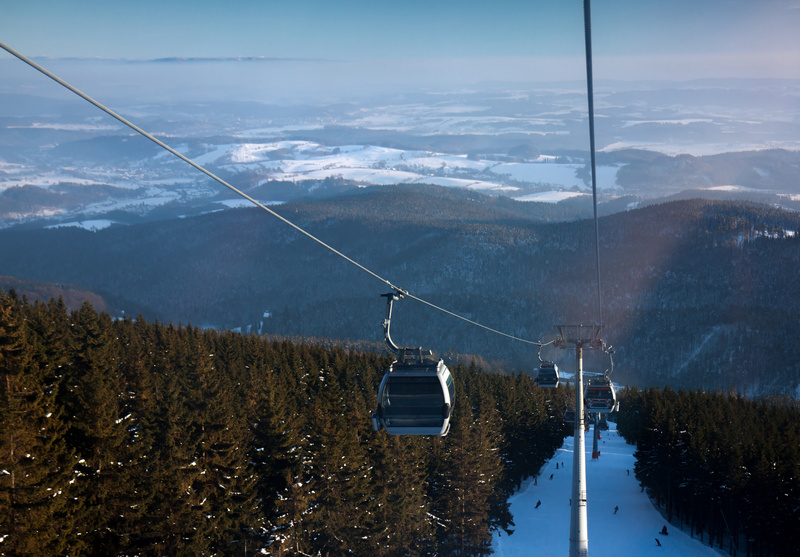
x: 632, y: 531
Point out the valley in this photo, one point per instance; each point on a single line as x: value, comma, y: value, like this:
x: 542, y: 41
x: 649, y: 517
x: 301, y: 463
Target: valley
x: 438, y: 192
x: 61, y: 163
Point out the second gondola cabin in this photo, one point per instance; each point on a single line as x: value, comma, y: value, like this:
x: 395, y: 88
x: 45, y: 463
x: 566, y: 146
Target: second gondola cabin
x: 599, y: 396
x: 415, y: 396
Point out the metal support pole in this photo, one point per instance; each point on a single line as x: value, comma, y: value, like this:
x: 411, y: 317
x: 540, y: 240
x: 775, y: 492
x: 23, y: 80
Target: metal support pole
x: 581, y: 336
x: 578, y: 524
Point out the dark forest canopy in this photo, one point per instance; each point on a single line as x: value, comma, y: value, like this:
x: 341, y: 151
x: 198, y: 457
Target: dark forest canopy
x: 132, y: 438
x: 123, y: 437
x: 725, y: 466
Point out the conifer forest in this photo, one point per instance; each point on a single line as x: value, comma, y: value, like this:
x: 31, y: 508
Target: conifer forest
x: 725, y: 466
x: 123, y: 437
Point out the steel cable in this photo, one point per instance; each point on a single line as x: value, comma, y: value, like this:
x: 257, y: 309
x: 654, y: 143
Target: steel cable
x: 216, y: 178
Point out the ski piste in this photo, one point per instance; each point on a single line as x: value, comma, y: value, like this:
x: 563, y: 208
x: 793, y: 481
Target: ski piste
x: 633, y: 530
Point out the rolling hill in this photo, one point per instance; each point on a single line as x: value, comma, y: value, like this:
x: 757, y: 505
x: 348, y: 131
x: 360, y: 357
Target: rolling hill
x: 696, y: 293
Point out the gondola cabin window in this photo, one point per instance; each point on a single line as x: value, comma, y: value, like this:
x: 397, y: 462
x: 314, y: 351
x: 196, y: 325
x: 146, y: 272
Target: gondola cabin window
x: 413, y: 402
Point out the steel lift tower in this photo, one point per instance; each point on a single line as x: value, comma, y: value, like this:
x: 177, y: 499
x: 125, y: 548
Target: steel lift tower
x: 579, y: 336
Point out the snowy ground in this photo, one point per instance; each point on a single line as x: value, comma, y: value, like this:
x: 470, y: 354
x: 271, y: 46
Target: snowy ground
x: 542, y: 180
x: 632, y: 531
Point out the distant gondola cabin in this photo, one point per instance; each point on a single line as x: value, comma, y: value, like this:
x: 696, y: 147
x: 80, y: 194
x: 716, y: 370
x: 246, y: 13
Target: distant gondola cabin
x: 547, y: 375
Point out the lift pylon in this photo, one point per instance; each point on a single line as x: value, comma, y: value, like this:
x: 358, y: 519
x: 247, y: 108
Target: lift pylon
x: 579, y: 336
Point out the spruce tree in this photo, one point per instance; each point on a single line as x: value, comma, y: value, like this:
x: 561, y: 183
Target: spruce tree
x: 172, y: 466
x: 139, y: 407
x: 93, y: 387
x: 37, y: 462
x: 469, y: 471
x: 400, y: 519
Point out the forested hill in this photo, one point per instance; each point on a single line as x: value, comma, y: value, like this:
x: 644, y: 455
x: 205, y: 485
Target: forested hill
x: 696, y: 293
x: 726, y: 467
x: 122, y: 437
x: 72, y: 296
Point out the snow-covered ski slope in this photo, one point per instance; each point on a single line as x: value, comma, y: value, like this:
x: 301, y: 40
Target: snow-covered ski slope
x: 632, y: 531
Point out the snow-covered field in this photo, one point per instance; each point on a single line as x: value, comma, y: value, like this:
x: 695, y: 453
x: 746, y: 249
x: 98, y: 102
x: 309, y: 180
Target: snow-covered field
x: 549, y: 196
x: 90, y: 225
x: 632, y: 531
x: 452, y: 137
x: 298, y: 161
x: 147, y: 184
x: 373, y: 165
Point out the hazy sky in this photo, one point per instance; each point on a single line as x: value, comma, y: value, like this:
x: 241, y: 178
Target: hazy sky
x: 445, y: 40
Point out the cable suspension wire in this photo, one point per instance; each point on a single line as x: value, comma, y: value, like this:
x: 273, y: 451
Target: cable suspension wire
x: 182, y: 157
x: 475, y: 322
x: 587, y: 26
x: 237, y: 191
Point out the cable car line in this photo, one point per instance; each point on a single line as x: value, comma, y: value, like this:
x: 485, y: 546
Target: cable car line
x: 587, y: 27
x: 237, y: 191
x: 476, y: 323
x: 185, y: 159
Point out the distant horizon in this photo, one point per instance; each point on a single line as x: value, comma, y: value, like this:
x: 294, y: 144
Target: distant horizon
x: 298, y: 80
x: 425, y: 43
x: 598, y: 60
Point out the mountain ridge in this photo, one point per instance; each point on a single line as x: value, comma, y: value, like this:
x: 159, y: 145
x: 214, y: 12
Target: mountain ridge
x: 671, y: 273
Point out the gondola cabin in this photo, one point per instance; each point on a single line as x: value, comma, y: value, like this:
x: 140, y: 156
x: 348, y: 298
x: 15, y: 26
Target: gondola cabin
x: 569, y: 418
x: 599, y: 396
x: 547, y: 375
x: 415, y: 396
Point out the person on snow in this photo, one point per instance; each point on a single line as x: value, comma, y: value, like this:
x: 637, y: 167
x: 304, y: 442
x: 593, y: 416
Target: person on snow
x: 616, y: 509
x: 539, y: 502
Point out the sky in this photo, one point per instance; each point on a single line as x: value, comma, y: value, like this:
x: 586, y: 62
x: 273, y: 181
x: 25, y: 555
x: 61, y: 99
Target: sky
x: 324, y: 44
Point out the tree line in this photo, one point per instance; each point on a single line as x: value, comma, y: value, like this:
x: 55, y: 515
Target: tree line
x: 125, y: 437
x: 726, y: 466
